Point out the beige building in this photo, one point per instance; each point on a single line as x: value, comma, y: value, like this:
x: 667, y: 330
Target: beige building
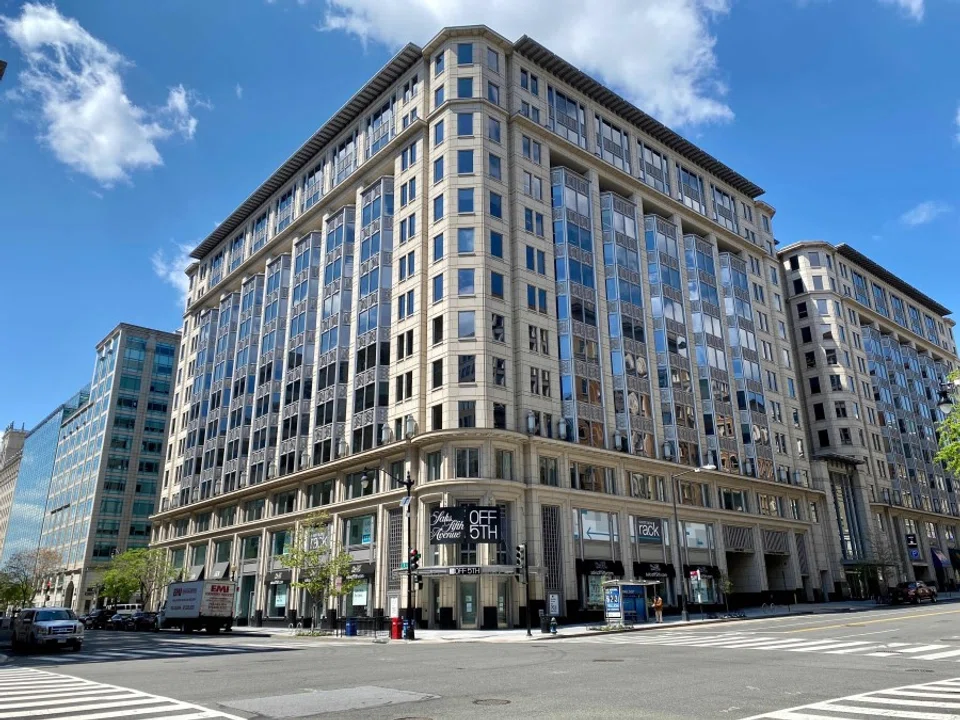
x: 491, y: 272
x: 873, y: 353
x: 11, y: 454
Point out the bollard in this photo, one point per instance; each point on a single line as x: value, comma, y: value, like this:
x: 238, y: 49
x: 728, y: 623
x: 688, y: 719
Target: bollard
x: 553, y: 626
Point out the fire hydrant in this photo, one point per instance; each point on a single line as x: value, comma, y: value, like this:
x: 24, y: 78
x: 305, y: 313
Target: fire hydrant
x: 553, y: 626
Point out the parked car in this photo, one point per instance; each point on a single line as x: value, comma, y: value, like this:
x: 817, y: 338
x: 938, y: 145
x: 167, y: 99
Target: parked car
x: 44, y: 627
x: 143, y: 621
x: 117, y: 622
x: 913, y: 592
x: 98, y: 619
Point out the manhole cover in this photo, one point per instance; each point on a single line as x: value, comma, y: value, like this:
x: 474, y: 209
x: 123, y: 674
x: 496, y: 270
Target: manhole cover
x: 919, y: 670
x: 607, y: 660
x: 491, y: 701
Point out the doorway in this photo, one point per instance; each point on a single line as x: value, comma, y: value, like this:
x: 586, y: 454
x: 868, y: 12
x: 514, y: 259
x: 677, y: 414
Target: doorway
x: 503, y: 602
x: 468, y: 604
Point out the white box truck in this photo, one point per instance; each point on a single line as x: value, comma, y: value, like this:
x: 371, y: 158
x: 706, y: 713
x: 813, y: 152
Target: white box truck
x: 199, y: 605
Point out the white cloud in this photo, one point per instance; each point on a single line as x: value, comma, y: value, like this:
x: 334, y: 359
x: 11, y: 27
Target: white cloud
x: 660, y: 55
x: 924, y: 213
x: 912, y: 8
x: 85, y: 115
x: 171, y: 268
x: 239, y: 91
x: 957, y: 120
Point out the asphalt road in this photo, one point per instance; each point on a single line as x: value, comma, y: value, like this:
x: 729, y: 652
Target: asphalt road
x: 734, y: 670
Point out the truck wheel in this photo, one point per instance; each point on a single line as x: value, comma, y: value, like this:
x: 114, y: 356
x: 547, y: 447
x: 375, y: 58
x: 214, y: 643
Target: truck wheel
x: 213, y: 629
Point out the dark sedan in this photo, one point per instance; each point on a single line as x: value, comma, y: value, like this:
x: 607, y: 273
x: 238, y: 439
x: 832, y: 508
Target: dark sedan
x: 913, y: 592
x: 98, y: 619
x: 143, y: 621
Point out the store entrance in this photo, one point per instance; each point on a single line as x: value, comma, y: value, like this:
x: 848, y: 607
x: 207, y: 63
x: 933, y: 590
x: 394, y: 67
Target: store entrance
x: 469, y: 599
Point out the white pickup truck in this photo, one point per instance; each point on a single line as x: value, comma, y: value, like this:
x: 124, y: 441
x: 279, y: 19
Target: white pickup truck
x: 199, y: 605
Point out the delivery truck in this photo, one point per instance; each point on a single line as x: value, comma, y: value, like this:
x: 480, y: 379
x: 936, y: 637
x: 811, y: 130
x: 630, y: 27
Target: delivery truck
x: 199, y: 605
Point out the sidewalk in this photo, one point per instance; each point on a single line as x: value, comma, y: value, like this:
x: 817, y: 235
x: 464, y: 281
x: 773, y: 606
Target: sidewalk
x: 566, y: 631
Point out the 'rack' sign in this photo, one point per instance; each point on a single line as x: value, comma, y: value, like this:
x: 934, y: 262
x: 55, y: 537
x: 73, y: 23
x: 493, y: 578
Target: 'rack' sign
x: 465, y: 524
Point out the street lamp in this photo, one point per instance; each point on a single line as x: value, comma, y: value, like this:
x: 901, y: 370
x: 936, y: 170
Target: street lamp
x: 674, y: 480
x: 947, y: 389
x: 408, y: 483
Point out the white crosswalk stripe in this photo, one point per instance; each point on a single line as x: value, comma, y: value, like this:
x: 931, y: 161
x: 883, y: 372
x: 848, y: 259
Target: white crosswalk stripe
x: 28, y: 694
x: 749, y: 641
x: 938, y: 700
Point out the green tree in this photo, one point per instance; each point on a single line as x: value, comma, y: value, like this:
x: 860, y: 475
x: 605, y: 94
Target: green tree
x: 324, y: 567
x: 726, y: 587
x: 948, y: 433
x: 25, y: 571
x: 142, y: 571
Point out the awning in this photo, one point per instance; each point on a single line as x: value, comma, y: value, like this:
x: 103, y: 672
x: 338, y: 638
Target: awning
x: 939, y: 559
x: 195, y: 573
x: 653, y: 571
x: 220, y: 571
x: 955, y: 558
x: 709, y: 570
x: 600, y: 567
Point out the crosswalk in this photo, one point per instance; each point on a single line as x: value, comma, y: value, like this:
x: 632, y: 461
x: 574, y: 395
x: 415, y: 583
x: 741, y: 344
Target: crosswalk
x: 40, y: 695
x: 757, y: 641
x: 939, y: 700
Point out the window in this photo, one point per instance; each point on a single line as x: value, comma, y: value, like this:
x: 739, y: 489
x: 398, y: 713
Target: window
x: 438, y: 64
x: 465, y: 87
x: 436, y: 374
x: 465, y: 283
x: 438, y: 96
x: 493, y: 93
x: 467, y: 463
x: 496, y: 244
x: 466, y: 324
x: 467, y: 368
x: 493, y: 60
x: 823, y: 438
x: 499, y: 416
x: 438, y: 132
x: 438, y: 288
x: 498, y: 328
x: 530, y: 148
x: 465, y: 163
x: 548, y: 471
x: 436, y: 417
x: 496, y: 284
x: 496, y: 205
x: 530, y: 82
x: 464, y: 53
x: 465, y: 238
x: 499, y: 371
x: 434, y: 466
x: 493, y: 129
x: 494, y: 167
x: 438, y: 329
x: 814, y: 386
x: 437, y: 247
x: 464, y: 124
x: 467, y: 413
x: 438, y: 169
x: 464, y: 200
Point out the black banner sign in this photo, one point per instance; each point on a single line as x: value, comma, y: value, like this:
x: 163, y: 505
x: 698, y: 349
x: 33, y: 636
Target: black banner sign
x: 473, y: 523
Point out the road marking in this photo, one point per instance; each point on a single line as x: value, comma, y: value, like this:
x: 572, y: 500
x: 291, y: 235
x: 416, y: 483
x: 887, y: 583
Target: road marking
x: 40, y: 694
x: 939, y: 655
x: 878, y: 620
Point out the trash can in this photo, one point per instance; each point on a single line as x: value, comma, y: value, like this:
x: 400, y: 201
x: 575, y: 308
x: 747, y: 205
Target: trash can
x: 259, y: 618
x: 396, y: 629
x: 351, y: 627
x: 544, y: 623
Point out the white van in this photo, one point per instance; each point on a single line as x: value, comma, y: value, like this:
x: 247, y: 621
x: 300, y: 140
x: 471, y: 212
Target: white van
x: 128, y: 608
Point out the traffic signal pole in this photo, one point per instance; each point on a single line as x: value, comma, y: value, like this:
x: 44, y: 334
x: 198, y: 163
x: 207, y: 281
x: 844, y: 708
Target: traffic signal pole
x: 526, y: 576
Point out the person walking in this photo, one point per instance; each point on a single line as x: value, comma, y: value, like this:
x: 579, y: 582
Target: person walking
x: 658, y: 607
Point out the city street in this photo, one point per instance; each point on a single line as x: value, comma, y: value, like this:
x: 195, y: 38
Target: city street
x: 889, y: 662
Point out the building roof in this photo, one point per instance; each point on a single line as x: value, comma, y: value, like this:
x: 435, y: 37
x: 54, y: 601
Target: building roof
x: 401, y: 63
x: 354, y: 107
x: 585, y: 84
x: 892, y: 280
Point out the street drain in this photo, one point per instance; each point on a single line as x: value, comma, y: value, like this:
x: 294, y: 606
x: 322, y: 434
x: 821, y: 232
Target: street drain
x: 918, y: 670
x: 491, y: 701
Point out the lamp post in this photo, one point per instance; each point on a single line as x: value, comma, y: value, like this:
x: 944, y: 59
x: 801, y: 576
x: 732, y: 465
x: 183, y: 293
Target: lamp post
x: 674, y: 480
x: 408, y: 483
x: 946, y: 399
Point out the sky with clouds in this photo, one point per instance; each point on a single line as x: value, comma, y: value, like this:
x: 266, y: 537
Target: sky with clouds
x: 128, y: 130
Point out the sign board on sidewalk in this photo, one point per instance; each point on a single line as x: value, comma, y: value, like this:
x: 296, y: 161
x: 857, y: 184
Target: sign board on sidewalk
x: 611, y: 603
x: 553, y: 604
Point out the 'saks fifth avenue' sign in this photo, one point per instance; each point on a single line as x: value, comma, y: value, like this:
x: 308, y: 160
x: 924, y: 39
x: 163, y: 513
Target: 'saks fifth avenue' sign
x: 465, y: 524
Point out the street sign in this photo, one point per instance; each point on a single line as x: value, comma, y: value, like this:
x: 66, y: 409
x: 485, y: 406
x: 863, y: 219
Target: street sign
x: 403, y: 565
x: 649, y: 530
x: 465, y: 524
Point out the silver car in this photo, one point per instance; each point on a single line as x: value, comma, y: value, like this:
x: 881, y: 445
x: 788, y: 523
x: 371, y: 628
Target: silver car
x: 47, y: 627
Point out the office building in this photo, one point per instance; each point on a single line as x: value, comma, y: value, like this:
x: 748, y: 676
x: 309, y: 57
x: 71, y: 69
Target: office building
x: 11, y: 454
x: 21, y: 520
x: 107, y: 468
x: 873, y: 353
x: 491, y: 272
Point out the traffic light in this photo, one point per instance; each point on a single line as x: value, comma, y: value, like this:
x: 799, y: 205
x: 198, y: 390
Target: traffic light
x: 414, y: 560
x: 521, y: 561
x: 419, y: 580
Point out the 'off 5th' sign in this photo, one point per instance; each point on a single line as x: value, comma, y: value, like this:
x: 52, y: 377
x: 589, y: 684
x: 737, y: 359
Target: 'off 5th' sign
x: 465, y: 524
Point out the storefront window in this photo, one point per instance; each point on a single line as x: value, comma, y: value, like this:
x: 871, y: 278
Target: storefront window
x: 358, y: 531
x: 703, y: 589
x: 699, y: 536
x: 277, y: 599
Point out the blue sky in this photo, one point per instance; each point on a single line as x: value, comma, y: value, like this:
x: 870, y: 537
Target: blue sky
x: 158, y: 119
